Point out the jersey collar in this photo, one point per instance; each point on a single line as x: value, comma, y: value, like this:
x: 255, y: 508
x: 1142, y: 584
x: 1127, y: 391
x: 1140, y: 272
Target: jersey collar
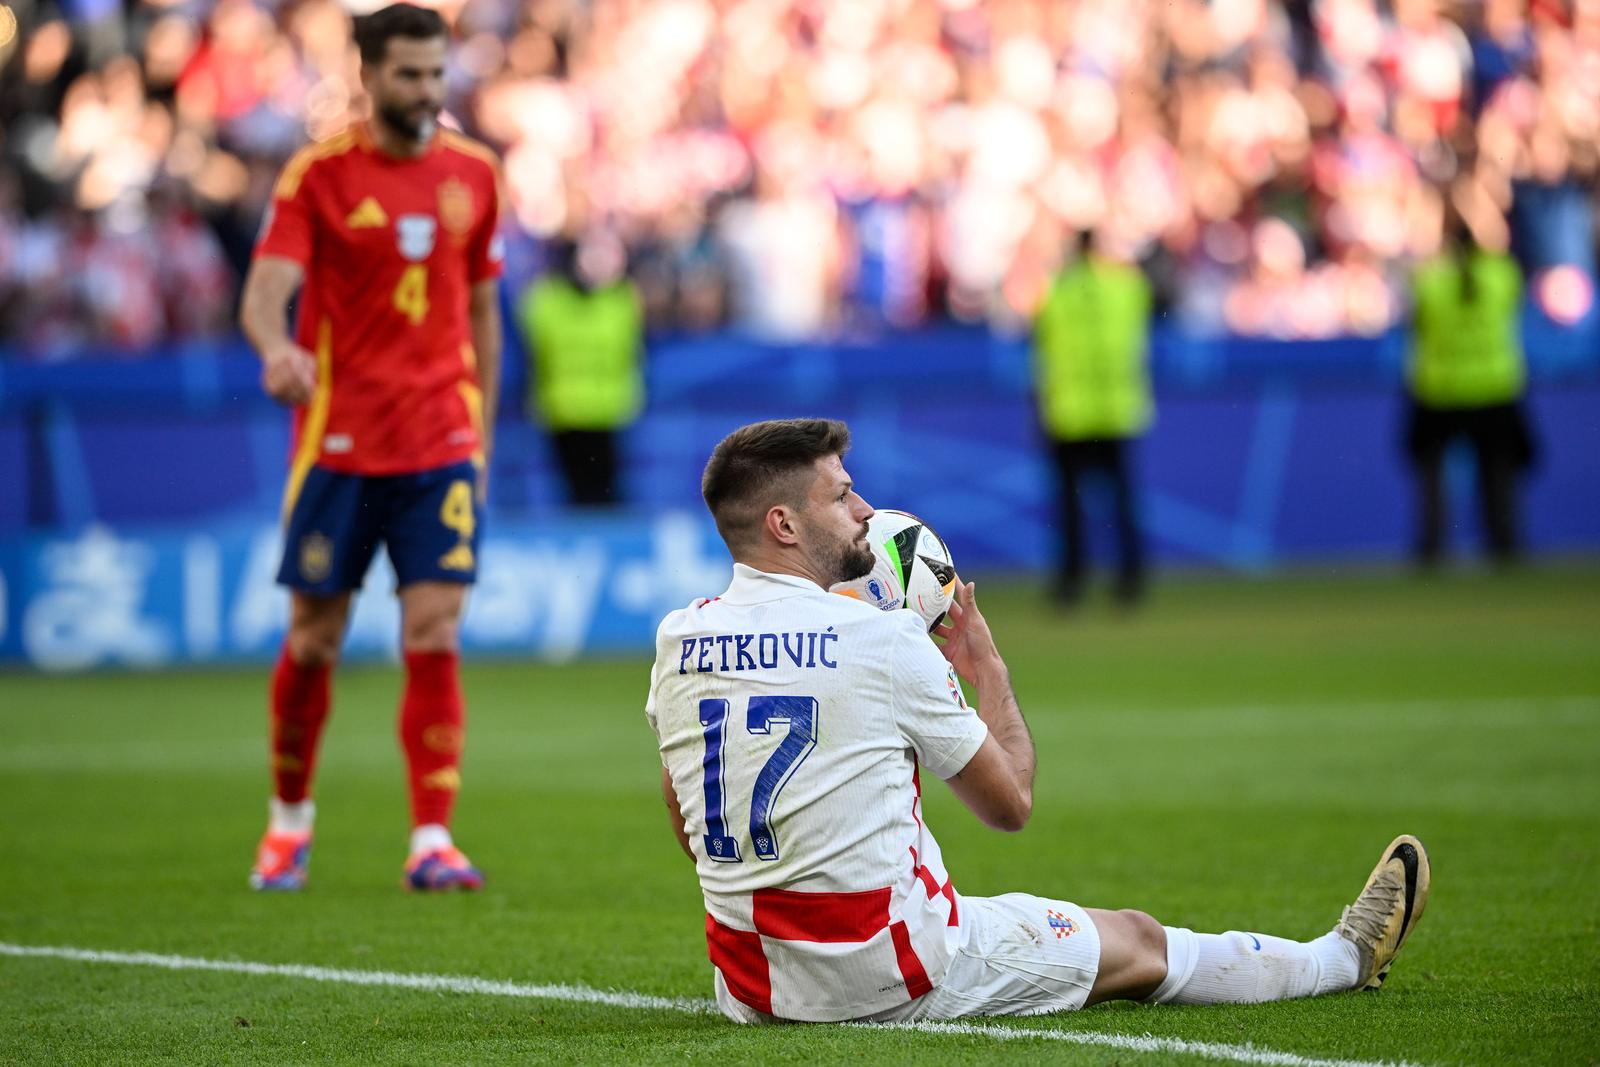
x: 752, y: 586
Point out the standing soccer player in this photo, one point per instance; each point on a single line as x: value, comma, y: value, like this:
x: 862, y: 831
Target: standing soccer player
x: 792, y: 725
x: 388, y: 233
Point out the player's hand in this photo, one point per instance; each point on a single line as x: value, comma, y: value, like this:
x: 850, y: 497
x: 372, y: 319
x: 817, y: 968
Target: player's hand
x: 289, y: 374
x: 968, y: 644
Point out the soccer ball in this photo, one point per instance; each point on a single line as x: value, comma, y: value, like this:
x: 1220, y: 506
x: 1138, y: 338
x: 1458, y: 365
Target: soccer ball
x: 912, y: 568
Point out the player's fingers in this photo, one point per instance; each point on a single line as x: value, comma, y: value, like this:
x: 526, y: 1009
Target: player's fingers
x: 955, y: 613
x: 294, y: 392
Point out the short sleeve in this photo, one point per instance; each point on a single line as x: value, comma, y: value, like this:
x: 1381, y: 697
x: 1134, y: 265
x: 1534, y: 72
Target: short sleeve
x: 929, y: 709
x: 486, y: 252
x: 287, y: 228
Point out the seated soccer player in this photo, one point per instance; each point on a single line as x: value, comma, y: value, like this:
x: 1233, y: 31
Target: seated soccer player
x: 793, y: 725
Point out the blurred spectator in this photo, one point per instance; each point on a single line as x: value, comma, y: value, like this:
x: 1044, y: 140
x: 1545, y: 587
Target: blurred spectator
x: 583, y: 328
x: 801, y: 167
x: 1090, y: 342
x: 1467, y: 374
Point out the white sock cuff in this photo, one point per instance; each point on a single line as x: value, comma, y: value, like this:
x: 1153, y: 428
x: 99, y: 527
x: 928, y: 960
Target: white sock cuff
x: 284, y: 817
x: 430, y: 837
x: 1183, y: 952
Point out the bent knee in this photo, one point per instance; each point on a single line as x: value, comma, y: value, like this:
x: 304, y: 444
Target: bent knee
x: 436, y: 634
x: 1133, y: 956
x: 313, y: 646
x: 1148, y: 936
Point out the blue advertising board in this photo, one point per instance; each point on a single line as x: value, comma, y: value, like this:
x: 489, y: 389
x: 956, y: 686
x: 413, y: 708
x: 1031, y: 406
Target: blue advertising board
x: 138, y: 503
x: 104, y: 597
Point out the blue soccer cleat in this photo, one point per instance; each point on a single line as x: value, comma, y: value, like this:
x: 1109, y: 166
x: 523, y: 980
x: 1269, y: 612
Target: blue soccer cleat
x: 442, y: 869
x: 282, y: 859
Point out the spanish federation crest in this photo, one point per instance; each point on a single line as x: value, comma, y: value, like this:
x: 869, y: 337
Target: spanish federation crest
x: 455, y: 206
x: 415, y: 234
x: 316, y: 557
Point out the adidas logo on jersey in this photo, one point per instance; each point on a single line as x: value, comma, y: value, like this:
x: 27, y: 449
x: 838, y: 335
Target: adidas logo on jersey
x: 369, y: 214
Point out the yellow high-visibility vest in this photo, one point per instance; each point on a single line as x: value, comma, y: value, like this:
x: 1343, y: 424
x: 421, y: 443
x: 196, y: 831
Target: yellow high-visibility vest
x: 586, y: 354
x: 1090, y: 341
x: 1467, y: 352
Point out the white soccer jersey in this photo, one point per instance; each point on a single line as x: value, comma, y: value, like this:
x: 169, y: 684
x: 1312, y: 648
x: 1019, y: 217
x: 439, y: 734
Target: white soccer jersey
x: 792, y: 722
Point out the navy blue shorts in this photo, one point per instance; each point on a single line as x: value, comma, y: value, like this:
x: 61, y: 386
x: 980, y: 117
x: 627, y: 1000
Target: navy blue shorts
x: 429, y: 522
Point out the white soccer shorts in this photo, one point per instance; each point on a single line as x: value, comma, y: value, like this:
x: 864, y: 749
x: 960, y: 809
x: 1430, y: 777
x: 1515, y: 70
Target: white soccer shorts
x: 1019, y: 955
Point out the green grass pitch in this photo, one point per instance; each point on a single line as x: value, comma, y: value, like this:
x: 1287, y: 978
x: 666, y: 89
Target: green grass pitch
x: 1234, y: 756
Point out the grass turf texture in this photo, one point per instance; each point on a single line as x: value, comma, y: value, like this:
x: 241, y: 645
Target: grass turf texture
x: 1232, y: 757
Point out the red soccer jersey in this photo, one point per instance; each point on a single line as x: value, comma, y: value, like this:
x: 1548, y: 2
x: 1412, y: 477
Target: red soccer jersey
x: 391, y: 248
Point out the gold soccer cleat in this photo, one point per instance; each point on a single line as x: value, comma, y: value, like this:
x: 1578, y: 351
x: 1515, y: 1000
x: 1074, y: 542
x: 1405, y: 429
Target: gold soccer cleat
x: 1387, y: 909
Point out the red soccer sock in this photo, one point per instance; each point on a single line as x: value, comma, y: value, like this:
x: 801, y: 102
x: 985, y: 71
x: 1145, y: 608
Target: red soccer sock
x: 299, y: 708
x: 432, y: 729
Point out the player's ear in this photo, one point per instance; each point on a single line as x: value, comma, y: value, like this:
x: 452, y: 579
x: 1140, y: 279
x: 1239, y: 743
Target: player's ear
x: 780, y: 522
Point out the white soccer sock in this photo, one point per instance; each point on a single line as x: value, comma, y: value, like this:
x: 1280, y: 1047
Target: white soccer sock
x: 429, y: 837
x: 1242, y: 968
x: 286, y: 818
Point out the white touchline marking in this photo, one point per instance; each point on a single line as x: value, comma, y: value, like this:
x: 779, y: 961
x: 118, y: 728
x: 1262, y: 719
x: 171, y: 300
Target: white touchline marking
x: 433, y: 983
x: 577, y: 994
x: 1131, y: 1043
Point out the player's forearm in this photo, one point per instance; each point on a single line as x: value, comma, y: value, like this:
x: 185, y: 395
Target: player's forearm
x: 998, y: 708
x: 486, y: 343
x: 264, y: 305
x: 679, y: 829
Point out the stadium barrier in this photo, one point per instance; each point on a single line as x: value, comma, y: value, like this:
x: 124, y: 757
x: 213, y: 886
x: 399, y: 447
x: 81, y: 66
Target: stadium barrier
x: 138, y: 517
x: 100, y: 597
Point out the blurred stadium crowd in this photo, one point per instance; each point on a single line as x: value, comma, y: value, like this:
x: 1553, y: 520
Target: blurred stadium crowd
x: 798, y: 168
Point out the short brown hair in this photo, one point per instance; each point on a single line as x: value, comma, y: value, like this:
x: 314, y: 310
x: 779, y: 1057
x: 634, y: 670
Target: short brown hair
x: 754, y: 467
x: 373, y: 32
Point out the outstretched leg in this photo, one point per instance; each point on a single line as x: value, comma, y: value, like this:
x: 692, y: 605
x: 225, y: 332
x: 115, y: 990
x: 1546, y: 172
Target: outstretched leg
x: 1142, y: 960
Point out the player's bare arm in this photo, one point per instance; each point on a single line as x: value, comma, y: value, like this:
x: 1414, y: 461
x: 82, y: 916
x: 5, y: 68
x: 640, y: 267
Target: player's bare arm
x: 669, y: 795
x: 288, y: 372
x: 483, y: 311
x: 997, y: 783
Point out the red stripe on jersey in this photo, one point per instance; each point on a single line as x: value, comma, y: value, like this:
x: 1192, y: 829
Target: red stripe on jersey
x: 830, y: 918
x: 934, y: 889
x: 925, y: 876
x: 910, y: 967
x: 743, y: 962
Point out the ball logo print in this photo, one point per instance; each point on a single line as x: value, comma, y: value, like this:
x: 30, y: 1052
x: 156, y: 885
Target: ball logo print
x: 881, y: 595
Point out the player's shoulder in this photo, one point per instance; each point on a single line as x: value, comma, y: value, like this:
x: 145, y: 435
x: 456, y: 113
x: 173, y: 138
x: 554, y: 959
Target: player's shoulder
x: 853, y: 609
x: 459, y: 145
x: 689, y: 617
x: 310, y: 159
x: 900, y: 634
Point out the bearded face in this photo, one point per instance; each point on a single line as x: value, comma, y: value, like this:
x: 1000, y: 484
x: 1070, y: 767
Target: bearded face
x: 407, y: 88
x: 843, y: 556
x: 416, y: 121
